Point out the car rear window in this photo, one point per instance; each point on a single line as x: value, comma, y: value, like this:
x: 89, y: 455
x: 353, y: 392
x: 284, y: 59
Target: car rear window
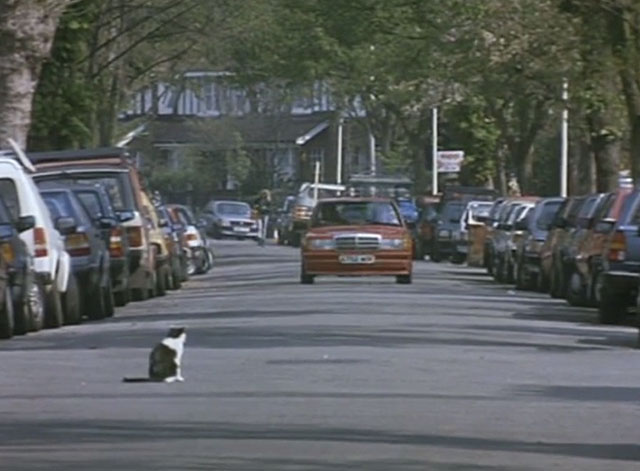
x: 452, y: 212
x: 9, y: 195
x: 348, y: 213
x: 91, y: 203
x: 60, y: 205
x: 117, y: 185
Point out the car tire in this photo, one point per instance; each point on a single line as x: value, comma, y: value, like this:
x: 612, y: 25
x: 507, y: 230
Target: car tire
x: 176, y: 278
x: 612, y: 308
x: 161, y: 282
x: 109, y: 300
x: 21, y: 315
x: 542, y: 282
x: 7, y: 315
x: 71, y: 302
x: 404, y: 279
x: 36, y: 302
x: 96, y: 308
x: 576, y: 290
x: 306, y: 279
x: 122, y: 297
x: 53, y: 307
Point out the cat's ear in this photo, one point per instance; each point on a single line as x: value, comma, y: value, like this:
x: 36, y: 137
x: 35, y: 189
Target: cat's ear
x: 175, y: 332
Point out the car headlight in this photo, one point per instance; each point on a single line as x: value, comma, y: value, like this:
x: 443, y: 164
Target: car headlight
x: 393, y: 244
x: 321, y: 244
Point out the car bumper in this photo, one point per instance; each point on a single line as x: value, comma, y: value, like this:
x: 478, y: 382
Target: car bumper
x: 385, y: 263
x: 621, y: 282
x: 230, y: 232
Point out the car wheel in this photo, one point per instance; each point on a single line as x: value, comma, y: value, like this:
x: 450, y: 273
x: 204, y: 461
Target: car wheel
x: 71, y: 302
x: 109, y: 300
x: 576, y: 291
x: 53, y: 307
x: 161, y: 280
x: 36, y: 300
x: 96, y: 308
x: 7, y: 315
x: 176, y: 278
x: 404, y: 279
x: 498, y: 269
x: 304, y: 278
x: 612, y: 308
x: 21, y: 315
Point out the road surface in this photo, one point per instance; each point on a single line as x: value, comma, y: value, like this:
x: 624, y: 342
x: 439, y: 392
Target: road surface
x: 453, y: 372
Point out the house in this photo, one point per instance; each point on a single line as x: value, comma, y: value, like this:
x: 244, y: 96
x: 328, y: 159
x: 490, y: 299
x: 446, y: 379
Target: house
x: 284, y: 131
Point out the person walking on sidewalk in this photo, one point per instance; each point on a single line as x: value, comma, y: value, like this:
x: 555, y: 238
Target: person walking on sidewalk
x: 262, y: 206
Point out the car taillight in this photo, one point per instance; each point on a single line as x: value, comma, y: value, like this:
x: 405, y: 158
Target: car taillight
x: 115, y: 243
x: 302, y: 212
x: 77, y: 244
x: 617, y: 247
x: 134, y: 234
x: 40, y: 242
x: 7, y: 252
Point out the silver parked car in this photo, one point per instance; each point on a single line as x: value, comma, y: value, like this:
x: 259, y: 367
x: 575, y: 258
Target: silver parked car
x: 230, y: 219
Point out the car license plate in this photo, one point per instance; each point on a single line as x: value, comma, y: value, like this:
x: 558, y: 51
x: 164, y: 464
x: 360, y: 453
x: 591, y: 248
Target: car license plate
x: 356, y: 259
x: 241, y: 229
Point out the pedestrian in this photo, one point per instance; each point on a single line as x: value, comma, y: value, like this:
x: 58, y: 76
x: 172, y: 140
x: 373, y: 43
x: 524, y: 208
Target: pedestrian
x: 262, y: 206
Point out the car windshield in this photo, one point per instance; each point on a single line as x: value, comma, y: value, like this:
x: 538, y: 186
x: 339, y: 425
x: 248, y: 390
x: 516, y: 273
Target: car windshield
x: 348, y: 213
x: 547, y: 214
x: 452, y: 212
x: 233, y: 209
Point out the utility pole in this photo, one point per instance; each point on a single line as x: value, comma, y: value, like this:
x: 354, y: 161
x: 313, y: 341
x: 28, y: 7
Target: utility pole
x: 372, y: 153
x: 564, y: 151
x: 434, y: 150
x: 339, y: 154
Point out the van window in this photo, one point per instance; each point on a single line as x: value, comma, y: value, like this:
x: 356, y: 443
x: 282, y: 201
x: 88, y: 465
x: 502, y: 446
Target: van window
x: 9, y: 194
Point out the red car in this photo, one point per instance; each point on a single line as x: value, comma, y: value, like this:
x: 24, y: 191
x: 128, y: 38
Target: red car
x: 357, y: 237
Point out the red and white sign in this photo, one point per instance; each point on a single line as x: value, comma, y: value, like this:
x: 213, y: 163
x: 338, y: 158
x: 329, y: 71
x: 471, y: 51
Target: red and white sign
x: 450, y: 161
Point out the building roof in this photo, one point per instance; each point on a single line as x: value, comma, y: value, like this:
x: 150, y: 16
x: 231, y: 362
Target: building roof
x: 253, y: 129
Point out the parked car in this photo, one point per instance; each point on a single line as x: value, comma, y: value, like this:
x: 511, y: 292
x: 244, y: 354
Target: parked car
x: 356, y: 237
x: 89, y: 254
x: 44, y: 241
x: 6, y: 301
x: 200, y: 258
x: 588, y: 261
x: 617, y: 281
x: 535, y: 229
x: 27, y: 292
x: 562, y: 224
x: 500, y: 226
x: 230, y: 219
x: 447, y: 231
x: 508, y: 234
x: 96, y: 202
x: 283, y: 223
x: 161, y: 247
x: 115, y: 171
x: 491, y: 225
x: 473, y: 214
x: 174, y: 232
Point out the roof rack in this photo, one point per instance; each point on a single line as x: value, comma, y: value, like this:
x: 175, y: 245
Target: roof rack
x: 80, y: 154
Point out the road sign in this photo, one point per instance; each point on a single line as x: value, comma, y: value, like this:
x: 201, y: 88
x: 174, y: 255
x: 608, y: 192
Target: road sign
x: 450, y: 161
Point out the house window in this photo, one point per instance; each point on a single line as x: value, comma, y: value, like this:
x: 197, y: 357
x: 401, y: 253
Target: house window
x: 209, y: 97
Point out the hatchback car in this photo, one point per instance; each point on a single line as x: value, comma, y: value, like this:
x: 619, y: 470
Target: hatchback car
x: 89, y: 253
x: 356, y: 237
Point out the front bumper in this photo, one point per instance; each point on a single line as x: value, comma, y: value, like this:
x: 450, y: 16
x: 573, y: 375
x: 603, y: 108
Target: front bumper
x: 234, y: 232
x: 387, y: 262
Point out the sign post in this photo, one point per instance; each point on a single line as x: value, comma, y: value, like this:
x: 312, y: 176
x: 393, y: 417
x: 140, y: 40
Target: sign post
x: 434, y: 150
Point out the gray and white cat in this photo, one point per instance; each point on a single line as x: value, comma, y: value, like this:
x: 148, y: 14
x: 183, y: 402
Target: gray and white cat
x: 165, y: 360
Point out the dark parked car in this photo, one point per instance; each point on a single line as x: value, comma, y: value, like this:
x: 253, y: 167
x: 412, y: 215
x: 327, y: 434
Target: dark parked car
x: 284, y: 221
x: 491, y: 224
x: 447, y: 230
x: 617, y: 282
x: 96, y: 202
x: 27, y: 292
x: 89, y: 254
x: 535, y: 231
x: 176, y: 243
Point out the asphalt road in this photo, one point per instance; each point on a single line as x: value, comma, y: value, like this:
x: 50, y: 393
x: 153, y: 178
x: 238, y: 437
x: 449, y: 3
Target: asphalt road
x: 453, y: 372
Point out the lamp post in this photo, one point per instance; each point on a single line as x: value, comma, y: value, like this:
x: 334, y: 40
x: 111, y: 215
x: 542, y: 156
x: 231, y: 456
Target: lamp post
x: 434, y: 150
x: 564, y: 149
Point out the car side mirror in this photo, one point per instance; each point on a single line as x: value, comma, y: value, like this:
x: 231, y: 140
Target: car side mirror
x: 107, y: 223
x: 7, y: 231
x: 65, y: 225
x: 125, y: 216
x: 25, y: 223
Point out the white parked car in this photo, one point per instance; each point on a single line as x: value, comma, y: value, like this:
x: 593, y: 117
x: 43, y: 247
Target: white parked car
x: 45, y: 243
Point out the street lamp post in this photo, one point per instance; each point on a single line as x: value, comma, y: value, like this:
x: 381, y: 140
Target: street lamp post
x: 434, y: 150
x: 564, y: 151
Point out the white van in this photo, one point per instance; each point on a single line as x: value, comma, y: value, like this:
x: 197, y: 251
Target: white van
x: 51, y: 260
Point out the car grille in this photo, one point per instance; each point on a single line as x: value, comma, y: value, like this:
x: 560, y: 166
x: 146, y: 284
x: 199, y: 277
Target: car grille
x: 241, y: 223
x: 357, y: 242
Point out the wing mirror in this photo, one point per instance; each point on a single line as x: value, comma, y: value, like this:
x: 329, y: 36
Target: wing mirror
x: 107, y: 223
x: 65, y: 225
x: 25, y: 223
x: 125, y: 216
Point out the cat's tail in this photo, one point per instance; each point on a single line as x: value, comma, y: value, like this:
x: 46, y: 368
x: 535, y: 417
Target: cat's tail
x: 128, y: 379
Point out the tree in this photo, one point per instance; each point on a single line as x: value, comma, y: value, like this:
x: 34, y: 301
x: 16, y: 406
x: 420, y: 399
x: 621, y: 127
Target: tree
x: 27, y: 30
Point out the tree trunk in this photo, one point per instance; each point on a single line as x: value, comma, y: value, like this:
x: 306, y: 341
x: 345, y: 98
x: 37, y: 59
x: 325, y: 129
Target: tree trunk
x: 606, y: 150
x: 27, y: 30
